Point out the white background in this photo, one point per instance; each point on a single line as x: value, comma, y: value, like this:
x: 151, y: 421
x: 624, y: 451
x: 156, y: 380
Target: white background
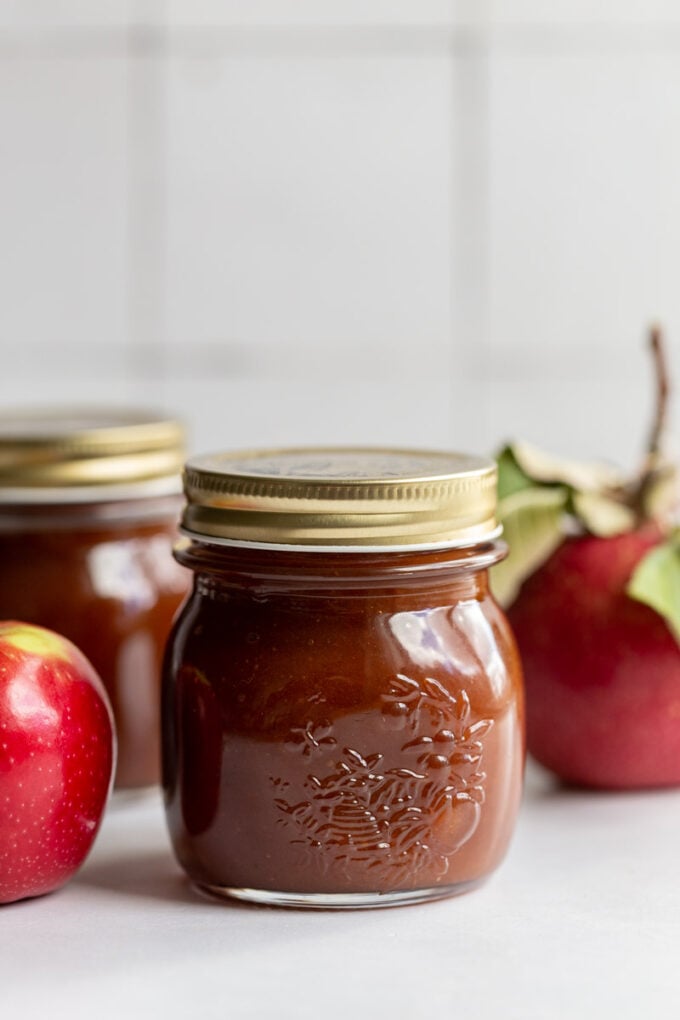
x: 365, y: 221
x: 370, y: 221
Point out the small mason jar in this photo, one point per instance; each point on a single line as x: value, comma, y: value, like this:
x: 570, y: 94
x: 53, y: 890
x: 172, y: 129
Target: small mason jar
x: 342, y: 696
x: 88, y: 518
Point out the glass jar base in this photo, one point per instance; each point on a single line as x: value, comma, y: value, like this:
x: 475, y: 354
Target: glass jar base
x: 336, y: 901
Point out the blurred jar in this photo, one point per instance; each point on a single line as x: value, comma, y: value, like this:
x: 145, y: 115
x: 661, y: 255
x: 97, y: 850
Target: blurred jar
x: 88, y: 509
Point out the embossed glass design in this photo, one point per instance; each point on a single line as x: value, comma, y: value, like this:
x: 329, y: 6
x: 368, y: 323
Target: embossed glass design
x: 341, y: 728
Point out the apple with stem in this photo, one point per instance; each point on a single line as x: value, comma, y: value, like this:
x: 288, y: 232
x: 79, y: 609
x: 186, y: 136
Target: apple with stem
x: 57, y: 755
x: 592, y: 589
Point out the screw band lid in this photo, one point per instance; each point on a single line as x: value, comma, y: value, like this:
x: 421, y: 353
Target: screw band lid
x: 341, y: 498
x: 45, y: 453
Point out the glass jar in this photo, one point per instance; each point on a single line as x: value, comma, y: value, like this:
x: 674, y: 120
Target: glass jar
x: 342, y: 698
x: 88, y: 518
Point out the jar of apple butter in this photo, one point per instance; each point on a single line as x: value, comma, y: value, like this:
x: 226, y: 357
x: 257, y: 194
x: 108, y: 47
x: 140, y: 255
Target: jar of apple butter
x: 342, y: 698
x: 89, y: 503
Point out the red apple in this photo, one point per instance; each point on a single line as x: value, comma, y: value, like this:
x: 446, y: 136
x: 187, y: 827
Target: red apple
x: 57, y: 753
x: 602, y: 671
x: 597, y: 612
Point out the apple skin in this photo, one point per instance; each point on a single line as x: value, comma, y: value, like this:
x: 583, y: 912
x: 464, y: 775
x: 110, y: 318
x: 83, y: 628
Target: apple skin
x: 602, y: 671
x: 57, y: 756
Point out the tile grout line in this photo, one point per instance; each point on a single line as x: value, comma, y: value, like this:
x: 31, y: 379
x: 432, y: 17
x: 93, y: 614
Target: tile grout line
x: 470, y: 225
x: 146, y: 202
x: 314, y: 39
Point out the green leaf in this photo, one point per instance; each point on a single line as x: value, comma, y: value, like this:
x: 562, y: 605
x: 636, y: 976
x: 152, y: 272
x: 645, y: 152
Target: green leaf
x: 511, y: 478
x: 532, y: 527
x: 601, y: 515
x: 656, y: 581
x: 547, y: 469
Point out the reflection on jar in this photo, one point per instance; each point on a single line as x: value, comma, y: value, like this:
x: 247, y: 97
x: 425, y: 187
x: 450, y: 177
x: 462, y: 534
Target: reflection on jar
x: 340, y: 727
x: 113, y: 590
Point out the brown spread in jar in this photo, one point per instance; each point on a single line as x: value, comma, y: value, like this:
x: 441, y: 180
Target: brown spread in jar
x: 342, y: 724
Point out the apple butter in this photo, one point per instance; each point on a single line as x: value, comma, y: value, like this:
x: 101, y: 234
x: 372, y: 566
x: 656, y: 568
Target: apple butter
x: 88, y: 518
x: 342, y: 696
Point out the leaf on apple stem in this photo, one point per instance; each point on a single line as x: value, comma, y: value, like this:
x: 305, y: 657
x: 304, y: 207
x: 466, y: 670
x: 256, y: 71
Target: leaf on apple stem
x: 541, y: 498
x: 533, y: 528
x: 656, y: 581
x: 601, y: 515
x: 511, y: 477
x: 537, y: 466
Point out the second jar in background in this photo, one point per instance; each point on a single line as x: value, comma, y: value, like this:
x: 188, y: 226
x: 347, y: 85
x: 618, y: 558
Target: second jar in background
x: 88, y: 511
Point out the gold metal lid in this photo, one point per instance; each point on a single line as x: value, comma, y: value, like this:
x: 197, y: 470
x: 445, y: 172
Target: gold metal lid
x: 341, y: 498
x: 68, y: 450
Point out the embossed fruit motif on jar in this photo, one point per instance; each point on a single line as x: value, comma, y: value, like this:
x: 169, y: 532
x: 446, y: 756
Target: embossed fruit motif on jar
x: 342, y: 698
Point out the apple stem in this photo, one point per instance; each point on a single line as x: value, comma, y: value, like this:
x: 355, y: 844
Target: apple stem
x: 650, y: 467
x: 662, y: 393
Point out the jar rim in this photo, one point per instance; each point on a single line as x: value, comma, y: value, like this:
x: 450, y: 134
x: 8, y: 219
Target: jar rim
x: 47, y: 496
x: 233, y: 543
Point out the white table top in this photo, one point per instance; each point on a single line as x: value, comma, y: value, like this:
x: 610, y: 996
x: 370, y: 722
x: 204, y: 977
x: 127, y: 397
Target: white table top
x: 582, y: 920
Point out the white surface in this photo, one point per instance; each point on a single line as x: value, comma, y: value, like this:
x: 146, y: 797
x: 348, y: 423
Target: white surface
x: 582, y: 921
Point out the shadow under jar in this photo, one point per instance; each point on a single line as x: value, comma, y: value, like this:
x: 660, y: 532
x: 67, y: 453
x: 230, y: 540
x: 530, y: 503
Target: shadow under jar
x: 342, y: 697
x: 88, y: 518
